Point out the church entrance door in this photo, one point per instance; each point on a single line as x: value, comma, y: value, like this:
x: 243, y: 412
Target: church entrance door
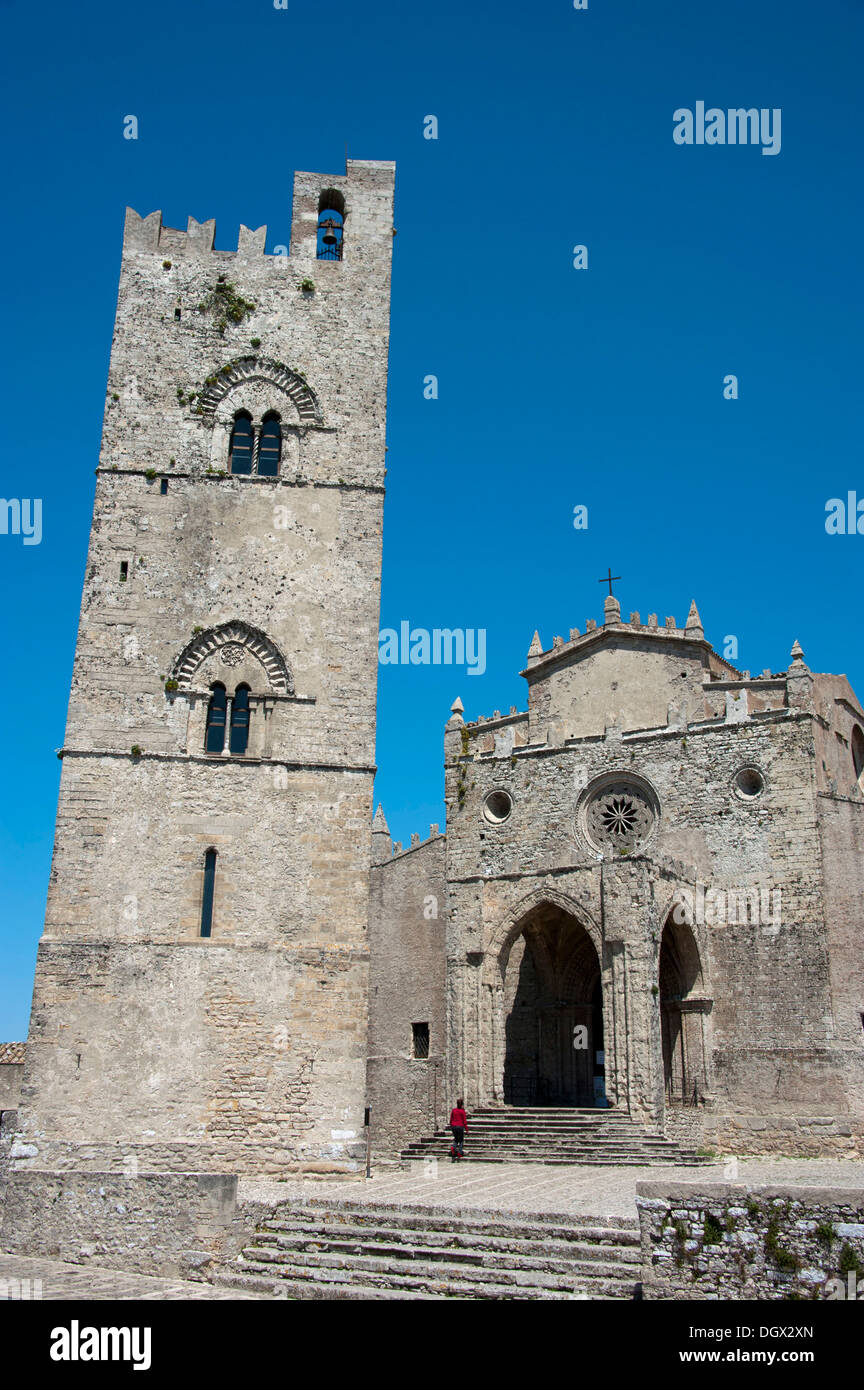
x: 553, y: 1014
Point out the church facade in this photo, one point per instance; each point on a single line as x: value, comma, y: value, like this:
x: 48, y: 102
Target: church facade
x: 650, y: 895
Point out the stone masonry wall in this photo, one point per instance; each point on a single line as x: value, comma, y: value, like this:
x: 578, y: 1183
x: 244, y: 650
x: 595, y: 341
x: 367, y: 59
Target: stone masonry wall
x: 183, y: 1224
x: 769, y: 981
x: 723, y: 1240
x: 153, y: 1046
x: 407, y: 934
x: 10, y: 1085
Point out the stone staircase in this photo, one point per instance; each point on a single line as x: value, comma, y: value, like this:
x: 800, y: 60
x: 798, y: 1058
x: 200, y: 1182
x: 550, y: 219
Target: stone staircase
x: 526, y: 1134
x: 314, y: 1249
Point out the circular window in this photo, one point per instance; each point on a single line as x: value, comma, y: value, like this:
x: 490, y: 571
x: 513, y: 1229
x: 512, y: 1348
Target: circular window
x: 749, y: 783
x: 619, y: 813
x: 497, y: 807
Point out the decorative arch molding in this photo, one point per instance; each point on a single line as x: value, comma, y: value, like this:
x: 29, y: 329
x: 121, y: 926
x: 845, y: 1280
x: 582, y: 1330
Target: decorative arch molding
x: 245, y: 369
x: 512, y: 924
x: 234, y: 634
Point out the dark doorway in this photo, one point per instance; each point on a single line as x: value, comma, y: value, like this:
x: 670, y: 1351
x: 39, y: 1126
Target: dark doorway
x: 680, y: 978
x: 553, y: 1004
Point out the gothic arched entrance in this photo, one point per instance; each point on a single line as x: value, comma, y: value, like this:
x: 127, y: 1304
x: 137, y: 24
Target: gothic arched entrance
x: 553, y: 1013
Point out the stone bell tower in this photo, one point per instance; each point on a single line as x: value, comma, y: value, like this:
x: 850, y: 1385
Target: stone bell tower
x: 200, y: 1000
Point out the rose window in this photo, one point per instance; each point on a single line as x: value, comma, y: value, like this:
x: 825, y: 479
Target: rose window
x: 619, y: 815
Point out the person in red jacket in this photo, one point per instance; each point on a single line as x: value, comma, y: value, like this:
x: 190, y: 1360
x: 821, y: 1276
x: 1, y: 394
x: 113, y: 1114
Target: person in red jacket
x: 458, y: 1126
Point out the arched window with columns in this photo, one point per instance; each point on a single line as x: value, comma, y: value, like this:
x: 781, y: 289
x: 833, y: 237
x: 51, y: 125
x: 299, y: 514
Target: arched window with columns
x: 214, y: 739
x: 269, y: 450
x: 242, y: 443
x: 239, y: 738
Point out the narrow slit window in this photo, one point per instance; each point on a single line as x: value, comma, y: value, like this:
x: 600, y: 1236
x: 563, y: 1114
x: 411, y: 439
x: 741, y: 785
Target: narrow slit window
x: 124, y: 571
x: 420, y: 1040
x: 163, y: 486
x: 209, y: 892
x: 240, y: 720
x: 214, y: 740
x: 269, y: 446
x: 177, y: 314
x: 240, y: 448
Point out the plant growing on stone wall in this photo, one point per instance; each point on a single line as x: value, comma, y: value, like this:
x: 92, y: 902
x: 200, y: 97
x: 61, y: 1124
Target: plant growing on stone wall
x: 136, y: 750
x: 255, y: 342
x: 196, y: 630
x: 170, y: 686
x: 149, y: 474
x: 713, y: 1233
x: 785, y: 1260
x: 825, y: 1234
x: 850, y: 1262
x: 166, y: 265
x: 114, y: 396
x: 226, y: 305
x: 307, y: 286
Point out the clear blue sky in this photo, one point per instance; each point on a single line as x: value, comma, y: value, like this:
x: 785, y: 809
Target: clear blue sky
x: 557, y: 386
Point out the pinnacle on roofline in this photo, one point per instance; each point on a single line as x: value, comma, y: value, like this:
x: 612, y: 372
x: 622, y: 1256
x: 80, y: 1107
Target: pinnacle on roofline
x: 694, y: 622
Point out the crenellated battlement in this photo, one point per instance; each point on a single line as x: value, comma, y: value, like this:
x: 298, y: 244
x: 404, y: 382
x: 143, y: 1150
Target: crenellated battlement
x: 150, y: 234
x: 362, y: 198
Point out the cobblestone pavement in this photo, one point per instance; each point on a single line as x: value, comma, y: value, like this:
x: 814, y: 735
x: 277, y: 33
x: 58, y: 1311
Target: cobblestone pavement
x: 83, y: 1283
x: 584, y: 1191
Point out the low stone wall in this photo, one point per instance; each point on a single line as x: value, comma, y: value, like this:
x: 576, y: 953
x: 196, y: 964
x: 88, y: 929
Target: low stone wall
x: 175, y: 1224
x: 790, y: 1136
x: 731, y: 1240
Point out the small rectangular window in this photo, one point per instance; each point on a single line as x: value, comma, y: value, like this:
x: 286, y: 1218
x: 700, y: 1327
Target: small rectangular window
x: 420, y: 1033
x: 124, y: 571
x: 177, y: 314
x: 163, y: 486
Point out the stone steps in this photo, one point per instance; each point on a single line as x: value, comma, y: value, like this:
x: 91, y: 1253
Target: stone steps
x: 345, y: 1249
x: 328, y: 1251
x: 557, y: 1136
x: 345, y: 1235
